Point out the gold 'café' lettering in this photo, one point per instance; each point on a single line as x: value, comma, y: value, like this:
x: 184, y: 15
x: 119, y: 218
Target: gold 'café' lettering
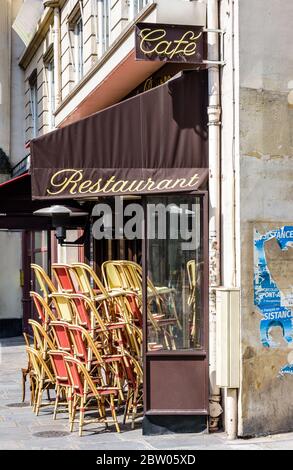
x: 72, y: 182
x: 151, y: 42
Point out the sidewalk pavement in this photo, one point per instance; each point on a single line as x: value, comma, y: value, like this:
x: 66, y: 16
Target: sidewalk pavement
x: 21, y: 429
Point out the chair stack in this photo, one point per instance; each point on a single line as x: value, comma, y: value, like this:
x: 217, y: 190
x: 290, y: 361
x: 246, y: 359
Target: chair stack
x: 87, y: 342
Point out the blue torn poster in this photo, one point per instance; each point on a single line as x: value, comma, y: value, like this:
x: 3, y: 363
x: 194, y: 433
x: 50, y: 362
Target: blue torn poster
x: 267, y: 295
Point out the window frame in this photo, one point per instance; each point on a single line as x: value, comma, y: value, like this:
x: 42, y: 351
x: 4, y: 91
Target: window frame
x: 78, y: 49
x: 51, y: 92
x: 135, y: 6
x: 191, y: 365
x: 103, y: 25
x: 33, y: 89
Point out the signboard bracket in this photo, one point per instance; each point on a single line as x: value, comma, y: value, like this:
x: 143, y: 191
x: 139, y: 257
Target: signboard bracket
x: 221, y: 32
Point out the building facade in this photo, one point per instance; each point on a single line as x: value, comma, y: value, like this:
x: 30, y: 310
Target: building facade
x: 81, y: 60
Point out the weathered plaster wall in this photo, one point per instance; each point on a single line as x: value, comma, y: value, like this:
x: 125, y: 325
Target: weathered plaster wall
x: 17, y: 151
x: 266, y: 197
x: 11, y: 88
x: 5, y: 55
x: 10, y: 265
x: 11, y: 141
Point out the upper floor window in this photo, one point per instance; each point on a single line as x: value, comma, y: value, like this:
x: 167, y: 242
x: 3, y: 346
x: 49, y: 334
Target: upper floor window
x: 103, y: 25
x: 78, y: 49
x: 49, y: 37
x: 136, y: 6
x: 34, y: 103
x: 51, y: 93
x: 104, y: 22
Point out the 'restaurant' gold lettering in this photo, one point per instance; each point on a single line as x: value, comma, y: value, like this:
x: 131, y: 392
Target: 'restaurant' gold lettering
x: 84, y: 186
x: 119, y: 186
x: 152, y: 43
x: 71, y: 182
x: 149, y: 185
x: 181, y: 182
x: 106, y: 187
x: 138, y: 186
x: 164, y: 184
x: 193, y: 181
x: 96, y: 188
x: 132, y: 186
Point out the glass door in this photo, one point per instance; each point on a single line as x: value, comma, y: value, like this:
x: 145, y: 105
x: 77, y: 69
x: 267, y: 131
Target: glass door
x: 175, y: 305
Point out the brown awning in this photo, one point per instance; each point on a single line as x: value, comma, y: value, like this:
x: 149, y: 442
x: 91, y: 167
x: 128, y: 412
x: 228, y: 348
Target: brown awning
x: 17, y: 206
x: 154, y: 142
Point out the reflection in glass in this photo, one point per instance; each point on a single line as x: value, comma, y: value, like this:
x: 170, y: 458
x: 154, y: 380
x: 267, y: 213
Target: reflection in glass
x: 174, y: 254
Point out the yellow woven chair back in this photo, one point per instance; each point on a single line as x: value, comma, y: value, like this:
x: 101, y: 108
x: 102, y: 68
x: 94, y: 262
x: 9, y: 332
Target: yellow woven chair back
x: 63, y: 306
x: 45, y: 284
x: 89, y: 281
x: 39, y: 365
x: 42, y: 341
x: 121, y: 274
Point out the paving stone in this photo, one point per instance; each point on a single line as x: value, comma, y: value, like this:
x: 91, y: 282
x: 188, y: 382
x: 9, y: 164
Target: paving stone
x: 281, y: 445
x: 12, y: 445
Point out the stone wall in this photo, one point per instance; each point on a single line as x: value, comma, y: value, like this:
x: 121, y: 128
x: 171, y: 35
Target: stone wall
x: 266, y: 196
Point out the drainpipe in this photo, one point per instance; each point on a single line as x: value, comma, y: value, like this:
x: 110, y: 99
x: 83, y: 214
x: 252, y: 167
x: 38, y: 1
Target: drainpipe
x: 231, y: 405
x: 214, y: 123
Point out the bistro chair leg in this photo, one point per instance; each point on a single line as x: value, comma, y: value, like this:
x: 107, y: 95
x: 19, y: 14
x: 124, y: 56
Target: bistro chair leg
x: 36, y: 396
x: 81, y: 415
x: 32, y: 391
x: 134, y: 406
x: 176, y: 314
x: 39, y: 400
x: 69, y: 397
x: 72, y: 418
x: 127, y: 406
x: 166, y: 339
x: 173, y: 344
x: 118, y: 383
x: 56, y: 401
x: 24, y: 373
x: 103, y: 411
x: 34, y: 388
x: 113, y: 412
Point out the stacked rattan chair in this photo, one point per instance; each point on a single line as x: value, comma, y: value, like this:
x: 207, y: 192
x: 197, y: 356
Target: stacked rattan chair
x: 86, y: 346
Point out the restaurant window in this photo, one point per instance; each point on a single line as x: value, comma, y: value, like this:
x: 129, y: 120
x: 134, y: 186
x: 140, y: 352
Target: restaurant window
x: 51, y: 93
x: 36, y: 249
x: 33, y: 88
x: 40, y: 249
x: 78, y: 49
x: 174, y: 254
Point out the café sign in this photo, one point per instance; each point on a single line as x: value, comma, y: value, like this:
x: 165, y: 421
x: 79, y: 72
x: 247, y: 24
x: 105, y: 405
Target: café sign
x: 169, y: 43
